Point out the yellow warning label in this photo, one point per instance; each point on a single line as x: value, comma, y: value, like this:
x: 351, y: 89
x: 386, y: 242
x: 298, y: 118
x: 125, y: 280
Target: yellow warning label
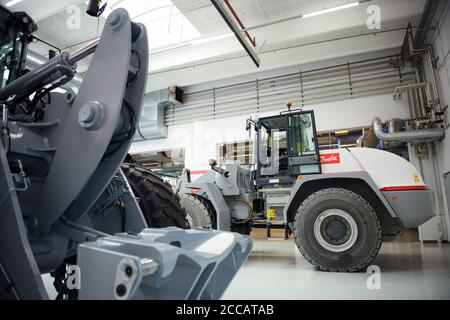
x: 416, y: 178
x: 271, y: 213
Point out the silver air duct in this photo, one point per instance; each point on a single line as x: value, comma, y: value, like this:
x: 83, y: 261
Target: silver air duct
x: 416, y: 136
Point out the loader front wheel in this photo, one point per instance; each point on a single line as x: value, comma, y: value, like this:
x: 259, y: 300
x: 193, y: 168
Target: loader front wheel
x: 337, y: 230
x: 199, y: 212
x: 160, y: 206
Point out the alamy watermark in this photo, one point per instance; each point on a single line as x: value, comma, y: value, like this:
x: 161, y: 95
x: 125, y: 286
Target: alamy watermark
x: 74, y: 13
x: 374, y: 19
x: 374, y: 280
x: 73, y: 277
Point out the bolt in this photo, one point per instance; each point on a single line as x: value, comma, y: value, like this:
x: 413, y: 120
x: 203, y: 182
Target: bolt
x: 128, y: 271
x: 87, y: 114
x: 121, y: 290
x: 90, y: 115
x: 115, y: 19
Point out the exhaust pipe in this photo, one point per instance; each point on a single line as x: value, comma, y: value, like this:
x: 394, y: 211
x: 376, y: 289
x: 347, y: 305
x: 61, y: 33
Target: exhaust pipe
x: 416, y: 136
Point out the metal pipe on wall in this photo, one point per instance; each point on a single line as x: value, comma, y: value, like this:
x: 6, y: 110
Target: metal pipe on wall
x: 393, y: 124
x: 415, y: 136
x: 409, y: 51
x: 422, y: 103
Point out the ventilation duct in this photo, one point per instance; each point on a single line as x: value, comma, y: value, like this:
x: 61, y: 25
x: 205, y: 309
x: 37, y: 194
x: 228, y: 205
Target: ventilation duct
x: 152, y: 124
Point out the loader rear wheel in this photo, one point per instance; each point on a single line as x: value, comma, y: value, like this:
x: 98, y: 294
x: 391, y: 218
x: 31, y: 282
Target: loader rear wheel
x: 199, y: 212
x: 160, y: 206
x: 337, y: 230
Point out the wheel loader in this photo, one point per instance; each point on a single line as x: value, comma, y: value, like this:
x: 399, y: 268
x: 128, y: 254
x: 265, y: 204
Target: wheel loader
x: 339, y: 204
x: 69, y: 206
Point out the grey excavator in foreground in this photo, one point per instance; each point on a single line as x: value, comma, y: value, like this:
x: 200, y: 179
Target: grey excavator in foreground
x: 68, y: 204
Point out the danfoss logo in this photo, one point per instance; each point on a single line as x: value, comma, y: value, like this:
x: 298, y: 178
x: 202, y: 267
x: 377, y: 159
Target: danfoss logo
x: 330, y: 158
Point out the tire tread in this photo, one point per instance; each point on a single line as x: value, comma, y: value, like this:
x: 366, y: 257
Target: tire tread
x: 369, y: 209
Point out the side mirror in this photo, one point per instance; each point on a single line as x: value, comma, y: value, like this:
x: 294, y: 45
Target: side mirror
x: 212, y: 162
x: 248, y: 124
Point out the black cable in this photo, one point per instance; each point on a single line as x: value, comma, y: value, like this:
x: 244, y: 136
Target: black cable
x: 123, y: 216
x: 47, y: 43
x: 41, y: 93
x: 8, y: 136
x: 138, y: 68
x: 34, y: 113
x: 121, y: 138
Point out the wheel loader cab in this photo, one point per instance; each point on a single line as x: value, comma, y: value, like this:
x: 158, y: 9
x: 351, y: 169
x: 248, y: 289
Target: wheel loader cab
x: 287, y: 147
x: 15, y: 35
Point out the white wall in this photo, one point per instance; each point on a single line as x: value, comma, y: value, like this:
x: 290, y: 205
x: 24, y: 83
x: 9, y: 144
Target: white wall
x: 200, y: 138
x: 240, y: 64
x: 441, y: 42
x: 438, y: 228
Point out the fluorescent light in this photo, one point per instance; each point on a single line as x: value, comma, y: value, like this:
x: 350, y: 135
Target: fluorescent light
x: 346, y: 6
x: 12, y: 3
x: 211, y: 39
x: 192, y: 43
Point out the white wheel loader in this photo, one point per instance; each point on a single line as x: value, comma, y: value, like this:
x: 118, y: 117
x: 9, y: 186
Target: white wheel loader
x: 339, y: 204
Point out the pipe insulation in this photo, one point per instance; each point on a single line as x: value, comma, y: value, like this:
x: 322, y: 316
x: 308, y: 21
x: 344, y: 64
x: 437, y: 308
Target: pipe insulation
x: 415, y: 136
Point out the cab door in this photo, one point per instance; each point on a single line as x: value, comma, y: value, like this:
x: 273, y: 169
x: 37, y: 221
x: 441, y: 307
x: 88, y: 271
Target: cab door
x: 304, y: 157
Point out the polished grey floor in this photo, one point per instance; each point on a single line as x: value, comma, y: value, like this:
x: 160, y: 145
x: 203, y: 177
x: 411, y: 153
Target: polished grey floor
x: 276, y: 270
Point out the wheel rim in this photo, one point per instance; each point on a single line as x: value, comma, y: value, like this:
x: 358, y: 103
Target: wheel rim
x: 335, y: 230
x: 191, y: 221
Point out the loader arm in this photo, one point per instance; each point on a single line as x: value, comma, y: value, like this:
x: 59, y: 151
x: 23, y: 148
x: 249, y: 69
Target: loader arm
x: 64, y: 199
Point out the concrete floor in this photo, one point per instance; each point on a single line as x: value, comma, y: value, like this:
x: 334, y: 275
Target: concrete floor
x: 276, y: 270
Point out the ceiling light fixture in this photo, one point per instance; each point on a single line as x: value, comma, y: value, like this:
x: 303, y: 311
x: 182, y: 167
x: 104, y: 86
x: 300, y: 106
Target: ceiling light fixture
x: 12, y: 3
x: 211, y: 39
x: 324, y: 11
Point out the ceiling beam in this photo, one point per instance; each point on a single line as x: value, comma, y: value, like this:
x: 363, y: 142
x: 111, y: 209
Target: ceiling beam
x: 232, y: 21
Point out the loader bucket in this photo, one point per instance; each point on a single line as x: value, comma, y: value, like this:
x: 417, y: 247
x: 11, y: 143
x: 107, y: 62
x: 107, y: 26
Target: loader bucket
x: 168, y: 264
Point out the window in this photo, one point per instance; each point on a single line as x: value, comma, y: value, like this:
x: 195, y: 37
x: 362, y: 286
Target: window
x: 339, y: 139
x: 166, y: 24
x: 241, y: 151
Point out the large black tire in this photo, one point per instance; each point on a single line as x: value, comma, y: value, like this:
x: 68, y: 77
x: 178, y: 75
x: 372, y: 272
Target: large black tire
x: 160, y: 206
x: 199, y: 212
x: 324, y: 231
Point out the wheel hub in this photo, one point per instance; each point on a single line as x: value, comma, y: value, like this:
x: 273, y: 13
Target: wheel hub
x: 335, y: 230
